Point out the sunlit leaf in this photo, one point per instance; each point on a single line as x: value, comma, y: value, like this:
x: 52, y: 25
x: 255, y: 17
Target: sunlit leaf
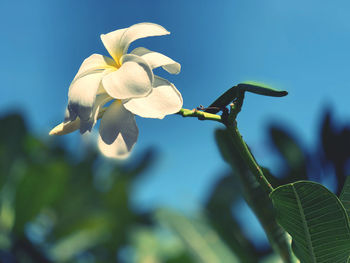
x: 201, y: 241
x: 155, y: 244
x: 96, y: 231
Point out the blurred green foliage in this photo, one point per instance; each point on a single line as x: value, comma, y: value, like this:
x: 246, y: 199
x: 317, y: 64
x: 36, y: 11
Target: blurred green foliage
x: 55, y: 208
x: 58, y: 208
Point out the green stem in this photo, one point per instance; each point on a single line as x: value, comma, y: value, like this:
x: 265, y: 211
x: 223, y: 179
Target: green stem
x: 242, y: 147
x: 275, y: 233
x: 231, y: 124
x: 201, y: 115
x: 248, y: 158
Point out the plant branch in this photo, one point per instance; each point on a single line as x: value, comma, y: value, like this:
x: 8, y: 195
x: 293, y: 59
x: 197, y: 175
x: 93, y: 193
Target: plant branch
x: 229, y: 120
x: 249, y: 159
x: 242, y: 147
x: 201, y: 115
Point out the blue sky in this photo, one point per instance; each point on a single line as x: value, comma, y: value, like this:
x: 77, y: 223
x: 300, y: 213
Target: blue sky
x: 299, y: 46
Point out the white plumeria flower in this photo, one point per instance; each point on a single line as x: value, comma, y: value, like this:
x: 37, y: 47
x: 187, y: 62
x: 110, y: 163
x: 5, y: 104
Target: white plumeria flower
x: 128, y: 81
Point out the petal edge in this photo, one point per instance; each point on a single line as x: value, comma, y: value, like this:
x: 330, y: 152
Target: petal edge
x: 164, y: 99
x: 118, y: 131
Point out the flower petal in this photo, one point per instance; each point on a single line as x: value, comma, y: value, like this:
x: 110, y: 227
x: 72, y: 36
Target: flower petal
x: 164, y: 99
x: 81, y: 96
x: 117, y: 42
x: 132, y: 80
x: 118, y: 131
x: 93, y: 64
x: 87, y: 124
x: 111, y: 43
x: 66, y: 127
x: 84, y: 125
x: 155, y: 60
x: 83, y: 89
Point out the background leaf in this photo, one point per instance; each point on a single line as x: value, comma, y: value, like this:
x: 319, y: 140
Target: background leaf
x: 12, y: 136
x: 256, y: 197
x: 293, y: 155
x: 40, y: 186
x: 202, y: 242
x: 219, y: 212
x: 335, y: 141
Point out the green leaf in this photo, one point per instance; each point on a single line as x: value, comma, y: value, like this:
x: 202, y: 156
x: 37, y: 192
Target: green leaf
x: 39, y: 187
x: 157, y: 244
x: 335, y: 141
x: 96, y: 230
x: 256, y: 197
x: 261, y: 89
x: 224, y: 100
x: 12, y: 136
x: 291, y: 152
x: 345, y: 195
x: 316, y: 220
x: 228, y: 96
x: 203, y: 243
x: 219, y: 212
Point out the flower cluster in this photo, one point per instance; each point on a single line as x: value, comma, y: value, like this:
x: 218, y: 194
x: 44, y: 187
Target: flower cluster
x: 127, y: 83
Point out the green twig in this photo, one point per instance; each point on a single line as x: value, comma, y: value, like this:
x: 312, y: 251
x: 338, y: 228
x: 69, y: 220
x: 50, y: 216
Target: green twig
x: 201, y: 115
x: 275, y: 234
x: 242, y: 147
x: 229, y: 120
x: 247, y: 156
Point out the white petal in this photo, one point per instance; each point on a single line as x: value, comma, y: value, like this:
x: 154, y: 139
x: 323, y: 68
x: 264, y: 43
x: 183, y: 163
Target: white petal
x: 164, y: 99
x: 111, y: 43
x: 118, y: 131
x: 83, y: 89
x: 81, y: 96
x: 66, y: 127
x: 117, y: 42
x: 132, y: 80
x: 155, y: 60
x: 87, y: 124
x: 84, y: 125
x: 94, y: 63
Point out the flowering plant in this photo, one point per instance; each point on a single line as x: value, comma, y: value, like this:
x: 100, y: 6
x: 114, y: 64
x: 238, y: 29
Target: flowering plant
x: 316, y: 219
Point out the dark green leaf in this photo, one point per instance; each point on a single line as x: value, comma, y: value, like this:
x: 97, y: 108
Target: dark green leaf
x: 224, y: 100
x: 336, y: 147
x: 219, y: 212
x: 12, y: 136
x: 316, y: 220
x: 40, y: 186
x: 261, y: 89
x: 292, y: 153
x: 234, y: 92
x: 345, y: 196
